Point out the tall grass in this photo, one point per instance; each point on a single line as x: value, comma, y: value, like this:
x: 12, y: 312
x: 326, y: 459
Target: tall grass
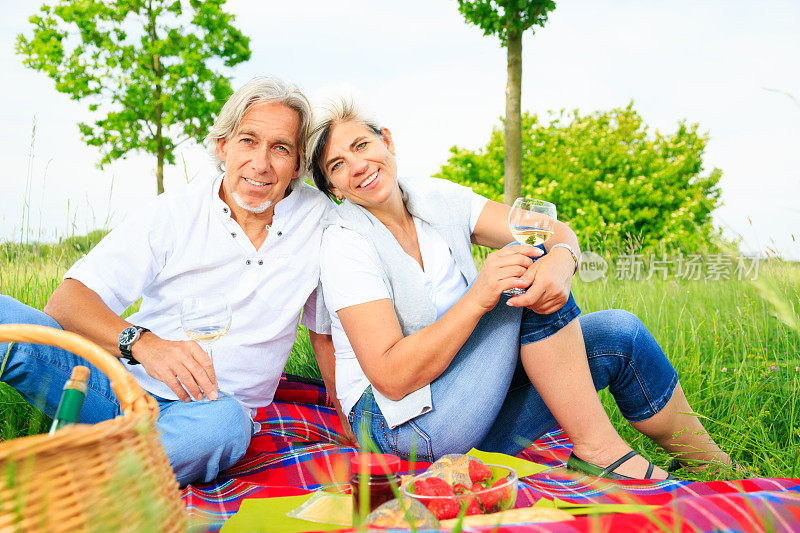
x: 738, y: 363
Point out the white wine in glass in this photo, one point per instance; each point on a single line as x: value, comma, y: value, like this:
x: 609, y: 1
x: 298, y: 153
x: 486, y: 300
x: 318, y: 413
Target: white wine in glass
x: 205, y: 319
x: 532, y: 222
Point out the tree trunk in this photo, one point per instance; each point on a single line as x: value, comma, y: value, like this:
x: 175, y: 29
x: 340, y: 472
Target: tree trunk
x: 159, y: 139
x: 512, y: 162
x: 160, y: 163
x: 158, y: 117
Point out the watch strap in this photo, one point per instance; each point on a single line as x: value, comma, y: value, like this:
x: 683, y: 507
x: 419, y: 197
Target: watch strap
x: 125, y: 349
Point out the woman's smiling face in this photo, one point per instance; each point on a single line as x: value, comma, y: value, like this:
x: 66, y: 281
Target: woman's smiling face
x: 360, y: 164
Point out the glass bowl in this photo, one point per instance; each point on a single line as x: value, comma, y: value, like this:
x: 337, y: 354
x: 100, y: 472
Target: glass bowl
x: 490, y: 500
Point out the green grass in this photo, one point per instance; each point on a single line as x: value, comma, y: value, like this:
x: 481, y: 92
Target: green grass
x: 731, y: 341
x: 737, y: 361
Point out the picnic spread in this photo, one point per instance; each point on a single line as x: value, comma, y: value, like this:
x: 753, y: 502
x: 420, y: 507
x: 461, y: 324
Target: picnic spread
x: 300, y: 449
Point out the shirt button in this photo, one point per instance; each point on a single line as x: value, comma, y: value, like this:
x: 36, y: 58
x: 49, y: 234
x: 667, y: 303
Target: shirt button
x: 224, y: 209
x: 260, y: 262
x: 247, y: 262
x: 233, y: 234
x: 280, y: 233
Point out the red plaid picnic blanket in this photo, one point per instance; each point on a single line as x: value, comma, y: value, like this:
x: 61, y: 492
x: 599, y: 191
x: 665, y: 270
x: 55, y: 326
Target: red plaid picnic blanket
x: 300, y: 448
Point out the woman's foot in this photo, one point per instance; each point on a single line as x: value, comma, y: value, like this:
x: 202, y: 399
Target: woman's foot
x: 634, y: 466
x: 710, y: 467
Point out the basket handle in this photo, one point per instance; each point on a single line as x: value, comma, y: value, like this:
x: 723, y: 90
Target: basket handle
x: 132, y: 398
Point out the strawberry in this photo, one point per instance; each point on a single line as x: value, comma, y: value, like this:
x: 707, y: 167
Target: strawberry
x: 460, y: 488
x: 477, y: 487
x: 504, y: 492
x: 439, y: 487
x: 478, y: 471
x: 473, y: 507
x: 490, y: 499
x: 421, y: 487
x: 444, y: 508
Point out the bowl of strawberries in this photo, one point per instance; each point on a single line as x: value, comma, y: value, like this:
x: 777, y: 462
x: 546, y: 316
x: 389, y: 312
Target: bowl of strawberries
x: 477, y: 488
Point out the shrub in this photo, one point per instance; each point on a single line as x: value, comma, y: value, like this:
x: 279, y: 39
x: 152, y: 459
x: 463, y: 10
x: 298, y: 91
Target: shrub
x: 611, y: 181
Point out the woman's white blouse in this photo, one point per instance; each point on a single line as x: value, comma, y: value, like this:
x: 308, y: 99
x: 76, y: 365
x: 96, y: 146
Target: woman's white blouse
x: 351, y: 275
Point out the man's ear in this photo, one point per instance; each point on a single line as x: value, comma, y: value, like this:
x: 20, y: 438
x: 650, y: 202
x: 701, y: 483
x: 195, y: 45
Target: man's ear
x: 222, y: 149
x: 386, y: 135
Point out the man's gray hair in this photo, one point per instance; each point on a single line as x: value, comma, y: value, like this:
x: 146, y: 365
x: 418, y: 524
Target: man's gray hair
x: 327, y: 114
x: 260, y: 90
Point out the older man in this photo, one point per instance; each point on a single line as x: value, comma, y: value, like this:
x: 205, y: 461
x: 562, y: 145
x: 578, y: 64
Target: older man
x: 251, y: 236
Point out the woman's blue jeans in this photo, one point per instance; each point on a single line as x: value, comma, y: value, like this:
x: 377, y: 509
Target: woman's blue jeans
x: 199, y: 438
x: 485, y: 400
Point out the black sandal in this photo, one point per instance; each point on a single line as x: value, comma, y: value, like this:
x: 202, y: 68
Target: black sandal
x: 579, y: 465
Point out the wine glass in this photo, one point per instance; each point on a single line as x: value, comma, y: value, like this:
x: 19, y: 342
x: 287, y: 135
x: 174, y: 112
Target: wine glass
x: 531, y: 221
x: 205, y: 319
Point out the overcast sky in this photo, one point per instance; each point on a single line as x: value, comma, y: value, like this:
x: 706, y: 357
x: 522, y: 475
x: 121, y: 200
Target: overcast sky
x: 437, y: 82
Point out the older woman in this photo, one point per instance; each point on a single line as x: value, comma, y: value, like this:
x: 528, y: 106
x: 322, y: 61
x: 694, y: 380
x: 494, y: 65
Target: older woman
x: 428, y: 357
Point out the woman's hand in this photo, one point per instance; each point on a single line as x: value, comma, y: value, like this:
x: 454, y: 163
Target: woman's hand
x: 502, y: 270
x: 550, y: 280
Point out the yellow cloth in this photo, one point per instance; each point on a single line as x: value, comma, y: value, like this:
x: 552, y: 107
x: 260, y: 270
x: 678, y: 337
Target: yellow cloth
x: 268, y: 515
x: 326, y: 508
x: 522, y: 466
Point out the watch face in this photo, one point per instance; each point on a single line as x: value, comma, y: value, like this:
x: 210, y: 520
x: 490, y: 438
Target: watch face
x: 128, y: 335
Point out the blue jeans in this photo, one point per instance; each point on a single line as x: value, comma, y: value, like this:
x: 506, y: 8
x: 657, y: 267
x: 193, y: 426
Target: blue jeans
x: 199, y: 438
x: 485, y: 400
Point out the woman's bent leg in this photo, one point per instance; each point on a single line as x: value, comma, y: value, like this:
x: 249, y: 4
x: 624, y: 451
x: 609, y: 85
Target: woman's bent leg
x: 466, y: 397
x: 624, y: 356
x: 559, y: 370
x: 658, y: 409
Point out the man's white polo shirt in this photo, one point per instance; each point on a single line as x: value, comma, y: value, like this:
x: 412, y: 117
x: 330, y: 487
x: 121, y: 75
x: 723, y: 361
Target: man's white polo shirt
x: 185, y: 243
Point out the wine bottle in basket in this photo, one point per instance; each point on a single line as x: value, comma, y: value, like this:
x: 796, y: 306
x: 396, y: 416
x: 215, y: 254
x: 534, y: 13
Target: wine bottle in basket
x: 69, y: 407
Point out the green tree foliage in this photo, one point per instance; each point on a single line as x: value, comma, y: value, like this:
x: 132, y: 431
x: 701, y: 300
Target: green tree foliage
x: 146, y: 64
x: 610, y: 180
x: 508, y: 20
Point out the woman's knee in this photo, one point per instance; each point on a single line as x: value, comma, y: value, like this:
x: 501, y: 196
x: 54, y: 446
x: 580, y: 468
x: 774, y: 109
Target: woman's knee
x: 614, y: 330
x: 624, y: 355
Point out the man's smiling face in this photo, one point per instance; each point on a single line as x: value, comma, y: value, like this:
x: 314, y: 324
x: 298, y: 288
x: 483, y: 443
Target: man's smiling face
x: 261, y: 158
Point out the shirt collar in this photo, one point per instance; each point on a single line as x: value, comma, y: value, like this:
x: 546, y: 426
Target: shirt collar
x: 286, y: 205
x: 219, y: 206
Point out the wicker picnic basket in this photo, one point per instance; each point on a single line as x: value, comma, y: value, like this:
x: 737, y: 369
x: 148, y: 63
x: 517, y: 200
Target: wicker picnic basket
x: 113, y: 475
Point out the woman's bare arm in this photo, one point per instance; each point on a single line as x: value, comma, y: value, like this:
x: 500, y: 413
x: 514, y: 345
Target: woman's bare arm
x: 397, y: 365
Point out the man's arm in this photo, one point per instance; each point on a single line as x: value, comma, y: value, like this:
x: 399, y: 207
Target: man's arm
x: 324, y: 352
x: 79, y: 309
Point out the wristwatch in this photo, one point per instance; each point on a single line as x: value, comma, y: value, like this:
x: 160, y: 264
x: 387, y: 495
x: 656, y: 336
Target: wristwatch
x: 127, y: 337
x: 568, y: 248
